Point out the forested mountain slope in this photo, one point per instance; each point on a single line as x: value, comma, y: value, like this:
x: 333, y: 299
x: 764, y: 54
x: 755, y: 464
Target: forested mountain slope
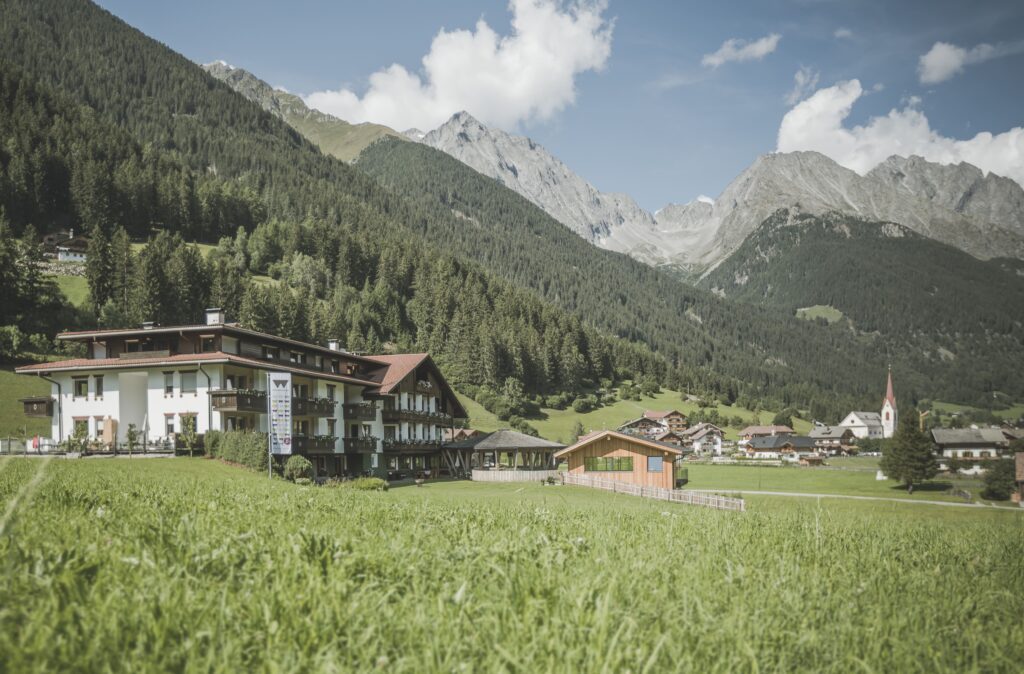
x: 399, y: 263
x: 945, y: 308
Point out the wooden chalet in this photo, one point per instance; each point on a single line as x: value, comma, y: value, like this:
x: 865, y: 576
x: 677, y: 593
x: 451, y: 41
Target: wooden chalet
x: 611, y: 455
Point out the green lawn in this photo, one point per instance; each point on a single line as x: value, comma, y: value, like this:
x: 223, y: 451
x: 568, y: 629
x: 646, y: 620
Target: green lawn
x: 558, y: 424
x: 821, y: 481
x: 1014, y: 412
x: 13, y: 422
x: 830, y: 314
x: 192, y: 565
x: 75, y: 288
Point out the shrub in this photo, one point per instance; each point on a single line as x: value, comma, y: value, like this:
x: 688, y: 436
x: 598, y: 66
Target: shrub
x: 999, y: 480
x: 582, y: 405
x: 211, y: 442
x: 366, y: 484
x: 244, y: 448
x: 303, y: 480
x: 297, y: 467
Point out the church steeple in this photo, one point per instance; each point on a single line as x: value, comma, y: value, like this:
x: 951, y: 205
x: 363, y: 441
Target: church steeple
x: 889, y: 396
x: 889, y: 409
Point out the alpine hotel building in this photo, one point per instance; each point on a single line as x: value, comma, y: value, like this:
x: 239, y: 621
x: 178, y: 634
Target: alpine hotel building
x: 350, y: 413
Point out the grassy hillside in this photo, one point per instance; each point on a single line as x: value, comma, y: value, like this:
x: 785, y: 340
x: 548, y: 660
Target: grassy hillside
x: 567, y: 578
x: 74, y: 288
x: 13, y: 422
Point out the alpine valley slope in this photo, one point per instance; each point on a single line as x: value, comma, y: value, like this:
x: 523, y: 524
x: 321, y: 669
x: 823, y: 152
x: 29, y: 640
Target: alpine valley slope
x: 955, y: 204
x: 333, y: 136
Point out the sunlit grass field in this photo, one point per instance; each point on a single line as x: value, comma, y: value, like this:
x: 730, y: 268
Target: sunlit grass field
x: 192, y: 565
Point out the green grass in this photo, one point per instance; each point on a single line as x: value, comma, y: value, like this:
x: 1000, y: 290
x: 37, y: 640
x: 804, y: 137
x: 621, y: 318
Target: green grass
x: 830, y: 314
x: 858, y: 482
x: 13, y: 422
x: 1014, y: 412
x: 191, y: 565
x: 74, y: 288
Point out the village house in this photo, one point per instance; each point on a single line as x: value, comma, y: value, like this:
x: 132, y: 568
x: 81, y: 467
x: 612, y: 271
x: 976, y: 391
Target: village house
x: 832, y: 440
x: 751, y: 432
x: 671, y: 438
x: 643, y: 427
x: 349, y: 413
x: 72, y: 249
x: 673, y: 420
x: 969, y: 443
x: 611, y: 455
x: 705, y: 438
x: 786, y: 447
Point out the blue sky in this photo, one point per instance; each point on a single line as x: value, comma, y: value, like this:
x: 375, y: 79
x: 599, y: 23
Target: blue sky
x: 652, y: 120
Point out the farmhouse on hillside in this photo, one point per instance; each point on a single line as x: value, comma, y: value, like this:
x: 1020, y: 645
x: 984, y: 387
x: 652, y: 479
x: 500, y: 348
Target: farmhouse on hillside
x: 673, y: 420
x: 969, y: 443
x: 611, y: 455
x: 704, y: 438
x: 347, y: 413
x: 788, y: 447
x: 751, y: 432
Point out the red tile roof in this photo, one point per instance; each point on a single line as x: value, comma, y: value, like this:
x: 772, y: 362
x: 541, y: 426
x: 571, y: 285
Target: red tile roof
x: 399, y: 366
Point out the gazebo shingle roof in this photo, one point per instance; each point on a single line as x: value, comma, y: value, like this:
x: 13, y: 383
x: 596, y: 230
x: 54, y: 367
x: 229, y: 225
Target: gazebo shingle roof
x: 504, y: 440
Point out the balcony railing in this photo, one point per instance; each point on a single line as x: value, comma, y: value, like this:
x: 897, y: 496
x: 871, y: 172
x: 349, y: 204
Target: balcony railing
x: 424, y: 386
x: 360, y: 412
x: 417, y: 416
x: 239, y: 400
x: 312, y: 407
x: 39, y: 406
x: 411, y: 445
x: 361, y: 444
x: 318, y: 443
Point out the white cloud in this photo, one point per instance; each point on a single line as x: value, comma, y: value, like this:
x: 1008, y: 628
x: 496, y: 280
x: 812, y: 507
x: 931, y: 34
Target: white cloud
x: 818, y: 124
x: 735, y: 49
x: 502, y: 80
x: 804, y: 82
x: 843, y: 33
x: 944, y: 60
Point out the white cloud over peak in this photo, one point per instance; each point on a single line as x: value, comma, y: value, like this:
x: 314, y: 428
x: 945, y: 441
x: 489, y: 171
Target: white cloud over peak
x: 735, y: 49
x: 944, y: 60
x: 818, y: 124
x: 502, y: 80
x: 804, y: 82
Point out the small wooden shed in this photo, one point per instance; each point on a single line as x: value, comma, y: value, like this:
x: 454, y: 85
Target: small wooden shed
x: 610, y: 455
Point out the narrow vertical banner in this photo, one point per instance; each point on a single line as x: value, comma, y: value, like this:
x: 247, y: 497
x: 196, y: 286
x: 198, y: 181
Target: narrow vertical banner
x: 279, y: 386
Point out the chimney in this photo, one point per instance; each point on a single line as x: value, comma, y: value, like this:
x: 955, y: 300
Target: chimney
x: 148, y: 325
x: 334, y: 344
x: 214, y: 316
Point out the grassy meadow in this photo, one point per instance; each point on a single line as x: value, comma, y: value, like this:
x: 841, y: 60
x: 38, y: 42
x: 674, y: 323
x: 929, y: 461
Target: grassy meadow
x: 13, y: 422
x: 192, y: 565
x: 558, y: 424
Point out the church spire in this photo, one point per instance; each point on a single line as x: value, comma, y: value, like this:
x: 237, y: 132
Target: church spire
x: 889, y: 396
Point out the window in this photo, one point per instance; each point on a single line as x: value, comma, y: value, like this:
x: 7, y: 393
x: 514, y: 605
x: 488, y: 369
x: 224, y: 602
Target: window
x: 334, y: 367
x: 330, y: 392
x: 98, y: 392
x: 207, y: 343
x: 81, y: 429
x: 81, y: 388
x: 270, y: 353
x: 169, y: 424
x: 654, y: 464
x: 332, y: 427
x: 168, y: 383
x: 188, y: 382
x: 620, y: 464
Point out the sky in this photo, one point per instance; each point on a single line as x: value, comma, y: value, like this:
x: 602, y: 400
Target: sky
x: 664, y: 101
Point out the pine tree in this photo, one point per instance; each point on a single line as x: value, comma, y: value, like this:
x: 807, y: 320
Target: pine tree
x: 909, y: 458
x: 122, y: 270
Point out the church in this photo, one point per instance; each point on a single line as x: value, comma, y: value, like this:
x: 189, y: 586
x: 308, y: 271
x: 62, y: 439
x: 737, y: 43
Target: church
x: 875, y: 424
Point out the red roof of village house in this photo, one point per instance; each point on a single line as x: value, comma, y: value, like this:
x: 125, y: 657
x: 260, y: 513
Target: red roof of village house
x: 399, y: 367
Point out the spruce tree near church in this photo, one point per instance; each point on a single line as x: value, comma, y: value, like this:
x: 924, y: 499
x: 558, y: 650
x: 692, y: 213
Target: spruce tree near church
x: 910, y: 458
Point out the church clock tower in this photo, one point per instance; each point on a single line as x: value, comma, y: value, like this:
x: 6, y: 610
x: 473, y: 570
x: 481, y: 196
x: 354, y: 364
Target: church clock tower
x: 889, y: 409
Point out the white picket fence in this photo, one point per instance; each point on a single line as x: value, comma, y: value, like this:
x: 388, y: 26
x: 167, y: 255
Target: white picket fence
x: 513, y: 475
x: 673, y: 495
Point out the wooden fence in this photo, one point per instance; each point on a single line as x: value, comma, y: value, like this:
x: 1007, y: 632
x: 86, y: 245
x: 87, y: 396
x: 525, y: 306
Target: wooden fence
x: 513, y: 475
x: 673, y: 495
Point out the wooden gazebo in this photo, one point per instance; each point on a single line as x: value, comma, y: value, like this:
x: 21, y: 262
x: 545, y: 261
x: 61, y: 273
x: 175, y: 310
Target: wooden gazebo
x: 525, y: 452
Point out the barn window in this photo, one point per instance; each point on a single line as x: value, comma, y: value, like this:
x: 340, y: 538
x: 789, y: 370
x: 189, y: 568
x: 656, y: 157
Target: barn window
x: 654, y: 464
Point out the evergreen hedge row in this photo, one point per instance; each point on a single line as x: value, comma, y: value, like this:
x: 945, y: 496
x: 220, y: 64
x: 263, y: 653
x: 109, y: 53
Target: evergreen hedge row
x: 242, y: 447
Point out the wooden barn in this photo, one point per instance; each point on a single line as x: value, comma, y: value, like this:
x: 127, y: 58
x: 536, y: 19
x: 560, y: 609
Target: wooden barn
x: 610, y: 455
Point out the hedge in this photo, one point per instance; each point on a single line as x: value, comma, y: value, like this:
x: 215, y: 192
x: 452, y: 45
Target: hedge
x: 242, y: 447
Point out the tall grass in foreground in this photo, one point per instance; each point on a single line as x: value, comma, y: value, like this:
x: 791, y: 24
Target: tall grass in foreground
x: 189, y: 565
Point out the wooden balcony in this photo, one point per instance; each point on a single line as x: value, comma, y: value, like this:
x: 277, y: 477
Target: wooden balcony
x: 417, y: 416
x: 320, y: 443
x: 360, y: 412
x: 411, y: 446
x: 312, y: 407
x: 363, y: 445
x: 424, y: 386
x: 38, y: 406
x: 239, y: 400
